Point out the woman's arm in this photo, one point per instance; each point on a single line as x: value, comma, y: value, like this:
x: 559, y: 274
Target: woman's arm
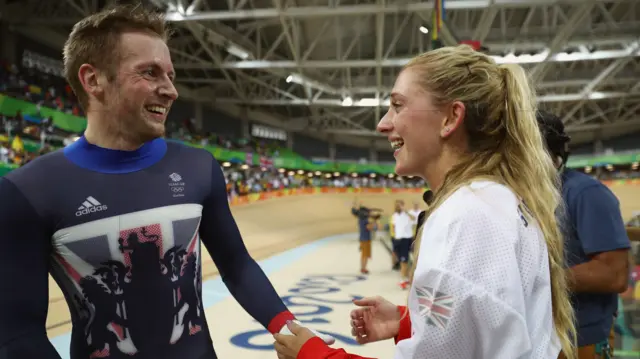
x: 405, y: 325
x: 315, y: 348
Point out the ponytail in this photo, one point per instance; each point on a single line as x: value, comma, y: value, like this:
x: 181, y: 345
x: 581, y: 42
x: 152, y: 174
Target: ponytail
x: 532, y: 175
x: 505, y: 146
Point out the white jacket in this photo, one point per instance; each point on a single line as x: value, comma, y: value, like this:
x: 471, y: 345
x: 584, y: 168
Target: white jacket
x: 481, y: 289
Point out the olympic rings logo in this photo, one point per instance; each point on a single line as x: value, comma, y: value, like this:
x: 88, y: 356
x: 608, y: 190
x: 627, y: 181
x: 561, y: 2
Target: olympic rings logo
x: 177, y: 189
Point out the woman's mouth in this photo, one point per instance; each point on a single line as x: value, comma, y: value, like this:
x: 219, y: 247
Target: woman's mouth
x: 396, y: 145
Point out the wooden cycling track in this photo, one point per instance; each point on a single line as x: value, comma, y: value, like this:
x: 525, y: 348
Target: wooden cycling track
x: 276, y: 225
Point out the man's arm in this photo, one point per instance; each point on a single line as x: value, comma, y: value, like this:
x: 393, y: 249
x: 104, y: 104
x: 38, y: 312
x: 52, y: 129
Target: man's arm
x: 24, y: 292
x: 603, y: 237
x: 241, y: 274
x: 633, y: 233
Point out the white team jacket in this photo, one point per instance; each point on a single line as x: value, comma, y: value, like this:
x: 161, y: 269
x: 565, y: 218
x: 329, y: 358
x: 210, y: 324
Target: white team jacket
x: 481, y: 289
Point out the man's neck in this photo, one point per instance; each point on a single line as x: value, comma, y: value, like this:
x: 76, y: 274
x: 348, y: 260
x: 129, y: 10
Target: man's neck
x: 100, y: 133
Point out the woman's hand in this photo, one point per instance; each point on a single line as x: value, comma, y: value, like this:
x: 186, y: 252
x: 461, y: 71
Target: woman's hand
x: 288, y: 346
x: 379, y: 319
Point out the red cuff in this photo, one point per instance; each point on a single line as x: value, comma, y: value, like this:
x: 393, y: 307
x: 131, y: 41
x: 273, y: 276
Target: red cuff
x: 314, y: 348
x: 404, y: 332
x: 279, y: 321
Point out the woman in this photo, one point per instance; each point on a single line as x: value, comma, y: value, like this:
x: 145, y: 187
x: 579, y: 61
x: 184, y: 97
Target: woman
x: 489, y: 280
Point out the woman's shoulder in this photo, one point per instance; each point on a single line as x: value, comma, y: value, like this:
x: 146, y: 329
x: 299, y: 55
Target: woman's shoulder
x: 489, y: 198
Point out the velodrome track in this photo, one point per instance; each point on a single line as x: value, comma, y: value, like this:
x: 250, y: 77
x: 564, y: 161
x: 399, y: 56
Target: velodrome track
x: 273, y: 228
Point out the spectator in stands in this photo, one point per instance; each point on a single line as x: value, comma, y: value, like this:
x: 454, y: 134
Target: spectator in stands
x: 5, y: 153
x: 597, y: 244
x: 488, y: 279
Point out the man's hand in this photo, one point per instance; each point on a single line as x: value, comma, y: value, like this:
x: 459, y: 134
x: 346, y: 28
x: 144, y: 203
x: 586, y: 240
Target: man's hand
x: 327, y: 339
x: 288, y: 346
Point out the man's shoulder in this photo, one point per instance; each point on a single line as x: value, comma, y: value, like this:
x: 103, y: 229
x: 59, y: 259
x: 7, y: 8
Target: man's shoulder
x: 191, y: 156
x: 575, y: 179
x: 180, y: 148
x: 40, y: 168
x: 576, y: 183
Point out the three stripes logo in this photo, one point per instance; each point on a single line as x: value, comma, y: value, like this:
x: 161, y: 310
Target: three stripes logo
x: 90, y: 205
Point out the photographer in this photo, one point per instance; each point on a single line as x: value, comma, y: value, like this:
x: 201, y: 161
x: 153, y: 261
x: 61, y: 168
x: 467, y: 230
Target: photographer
x: 367, y: 224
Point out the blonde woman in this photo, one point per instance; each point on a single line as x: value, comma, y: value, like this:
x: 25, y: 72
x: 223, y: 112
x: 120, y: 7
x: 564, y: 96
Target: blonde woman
x: 489, y: 279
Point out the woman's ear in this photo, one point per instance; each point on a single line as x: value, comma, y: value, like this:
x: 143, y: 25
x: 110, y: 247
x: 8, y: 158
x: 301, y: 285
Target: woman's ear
x: 454, y: 119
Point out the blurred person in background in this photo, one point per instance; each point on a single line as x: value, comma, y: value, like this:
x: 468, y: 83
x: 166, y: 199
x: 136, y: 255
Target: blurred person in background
x: 597, y: 246
x: 401, y: 228
x: 366, y: 225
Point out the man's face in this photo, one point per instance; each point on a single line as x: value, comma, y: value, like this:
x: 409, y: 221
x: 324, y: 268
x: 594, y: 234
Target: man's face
x: 142, y: 92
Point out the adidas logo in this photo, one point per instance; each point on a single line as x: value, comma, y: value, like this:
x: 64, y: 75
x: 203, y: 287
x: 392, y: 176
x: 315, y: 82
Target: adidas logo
x: 90, y: 205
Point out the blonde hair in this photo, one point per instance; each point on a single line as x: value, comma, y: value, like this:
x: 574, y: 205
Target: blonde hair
x: 505, y: 145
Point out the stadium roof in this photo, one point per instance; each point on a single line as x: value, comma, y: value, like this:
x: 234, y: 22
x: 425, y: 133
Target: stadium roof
x: 325, y: 67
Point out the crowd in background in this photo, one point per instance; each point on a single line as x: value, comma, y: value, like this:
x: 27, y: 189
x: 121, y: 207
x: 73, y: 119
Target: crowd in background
x: 36, y: 85
x: 245, y: 180
x: 39, y: 86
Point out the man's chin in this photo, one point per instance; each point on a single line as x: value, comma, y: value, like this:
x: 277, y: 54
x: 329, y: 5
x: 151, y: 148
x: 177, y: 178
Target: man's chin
x: 152, y: 133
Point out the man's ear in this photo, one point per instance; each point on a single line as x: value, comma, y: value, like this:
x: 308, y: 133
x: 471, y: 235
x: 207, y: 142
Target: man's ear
x: 454, y: 119
x: 91, y: 80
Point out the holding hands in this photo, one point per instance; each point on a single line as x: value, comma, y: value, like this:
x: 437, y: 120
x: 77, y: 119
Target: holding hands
x: 376, y: 319
x: 288, y: 346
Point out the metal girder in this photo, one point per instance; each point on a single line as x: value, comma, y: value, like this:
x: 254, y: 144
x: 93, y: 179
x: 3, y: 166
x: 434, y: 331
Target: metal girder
x: 562, y: 36
x: 609, y: 71
x: 608, y: 126
x: 346, y: 10
x: 371, y: 102
x: 486, y: 20
x: 399, y: 62
x: 624, y: 79
x: 570, y: 129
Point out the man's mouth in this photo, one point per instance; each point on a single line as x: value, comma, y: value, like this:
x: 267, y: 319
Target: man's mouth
x: 156, y: 109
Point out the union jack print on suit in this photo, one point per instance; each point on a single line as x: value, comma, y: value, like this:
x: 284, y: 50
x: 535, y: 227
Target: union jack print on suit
x: 435, y: 307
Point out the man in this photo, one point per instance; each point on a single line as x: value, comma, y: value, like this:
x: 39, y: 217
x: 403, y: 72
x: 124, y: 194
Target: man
x: 415, y: 213
x: 120, y: 227
x: 402, y: 234
x: 597, y: 246
x: 365, y: 229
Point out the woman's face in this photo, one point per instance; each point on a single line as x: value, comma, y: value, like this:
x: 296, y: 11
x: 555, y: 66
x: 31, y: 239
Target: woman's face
x: 413, y: 125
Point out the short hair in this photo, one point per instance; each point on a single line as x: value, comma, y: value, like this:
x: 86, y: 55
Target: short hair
x: 95, y: 40
x: 553, y: 133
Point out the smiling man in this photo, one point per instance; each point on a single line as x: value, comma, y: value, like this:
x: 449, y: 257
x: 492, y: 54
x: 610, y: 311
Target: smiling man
x: 117, y: 217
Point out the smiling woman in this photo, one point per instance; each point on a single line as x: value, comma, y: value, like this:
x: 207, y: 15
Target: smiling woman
x: 490, y: 254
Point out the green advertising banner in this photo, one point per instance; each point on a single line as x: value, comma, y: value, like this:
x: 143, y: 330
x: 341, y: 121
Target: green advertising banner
x: 10, y: 106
